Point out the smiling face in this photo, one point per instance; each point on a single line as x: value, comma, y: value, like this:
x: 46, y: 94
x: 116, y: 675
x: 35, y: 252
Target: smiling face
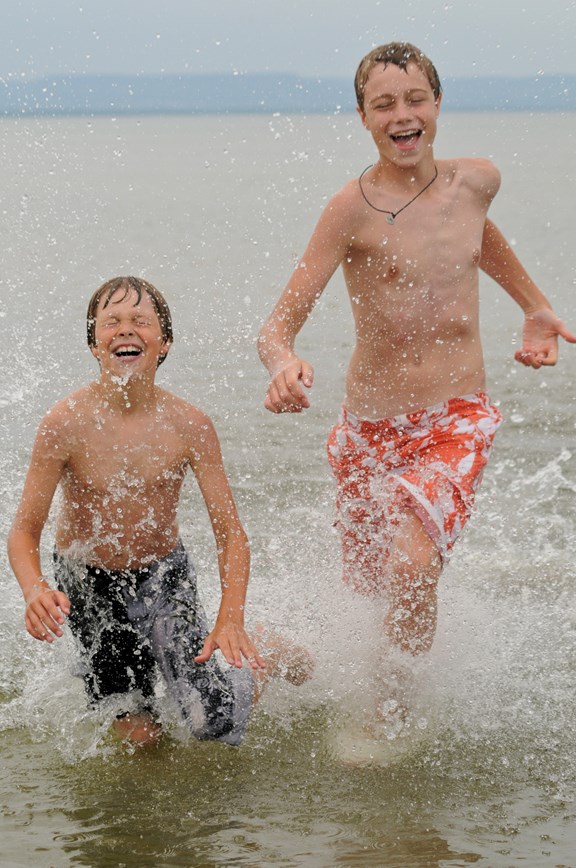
x: 128, y: 335
x: 400, y: 111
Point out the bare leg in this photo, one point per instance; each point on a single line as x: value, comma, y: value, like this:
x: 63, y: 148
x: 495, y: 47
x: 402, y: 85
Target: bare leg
x: 284, y: 659
x: 413, y: 570
x: 140, y: 729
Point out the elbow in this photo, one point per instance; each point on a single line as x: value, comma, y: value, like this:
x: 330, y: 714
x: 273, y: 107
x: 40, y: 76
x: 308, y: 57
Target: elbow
x: 20, y: 536
x: 261, y: 344
x: 243, y: 541
x: 232, y: 538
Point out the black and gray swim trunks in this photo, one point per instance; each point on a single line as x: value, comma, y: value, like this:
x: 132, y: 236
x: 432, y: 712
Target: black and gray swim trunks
x: 130, y: 624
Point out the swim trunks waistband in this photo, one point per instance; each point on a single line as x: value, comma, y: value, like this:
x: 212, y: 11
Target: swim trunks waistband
x: 414, y: 416
x: 133, y: 576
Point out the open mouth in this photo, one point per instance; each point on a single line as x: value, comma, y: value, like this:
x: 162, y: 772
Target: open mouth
x: 406, y: 139
x: 127, y: 352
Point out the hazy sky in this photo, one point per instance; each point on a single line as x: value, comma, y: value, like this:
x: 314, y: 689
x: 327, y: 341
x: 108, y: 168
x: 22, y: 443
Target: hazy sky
x: 307, y: 37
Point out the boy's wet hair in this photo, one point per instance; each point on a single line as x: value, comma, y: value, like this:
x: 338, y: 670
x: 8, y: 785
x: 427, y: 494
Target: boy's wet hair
x: 400, y: 54
x: 126, y: 285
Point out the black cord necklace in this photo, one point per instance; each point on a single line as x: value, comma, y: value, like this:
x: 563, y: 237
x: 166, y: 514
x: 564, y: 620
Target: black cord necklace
x: 393, y: 214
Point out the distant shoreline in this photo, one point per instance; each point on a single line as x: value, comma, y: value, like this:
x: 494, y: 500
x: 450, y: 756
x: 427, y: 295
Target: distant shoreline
x: 270, y: 93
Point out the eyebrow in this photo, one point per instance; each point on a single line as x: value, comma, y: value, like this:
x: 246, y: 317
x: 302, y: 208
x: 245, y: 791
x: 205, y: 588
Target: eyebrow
x: 136, y: 314
x: 410, y: 92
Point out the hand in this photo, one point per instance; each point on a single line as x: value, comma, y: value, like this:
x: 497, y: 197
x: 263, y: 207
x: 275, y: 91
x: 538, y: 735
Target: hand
x: 45, y: 610
x: 234, y: 643
x: 540, y: 339
x: 285, y: 393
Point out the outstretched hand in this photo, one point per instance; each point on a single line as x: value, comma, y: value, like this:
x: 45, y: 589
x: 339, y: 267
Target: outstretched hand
x: 234, y: 643
x: 285, y: 393
x: 540, y: 339
x: 45, y: 611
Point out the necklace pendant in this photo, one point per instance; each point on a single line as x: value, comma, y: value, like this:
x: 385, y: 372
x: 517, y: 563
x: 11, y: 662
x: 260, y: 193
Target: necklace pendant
x: 390, y: 218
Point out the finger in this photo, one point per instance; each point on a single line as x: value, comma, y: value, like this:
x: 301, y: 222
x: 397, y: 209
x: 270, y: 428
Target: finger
x: 230, y: 648
x: 54, y: 611
x: 62, y: 602
x: 523, y: 357
x: 290, y: 392
x: 269, y: 404
x: 307, y: 374
x: 207, y: 651
x: 253, y: 657
x: 566, y: 334
x: 275, y: 402
x: 546, y: 355
x: 48, y: 614
x: 550, y: 357
x: 528, y: 358
x: 38, y: 631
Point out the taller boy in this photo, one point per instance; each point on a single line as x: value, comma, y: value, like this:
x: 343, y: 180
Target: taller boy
x: 411, y: 234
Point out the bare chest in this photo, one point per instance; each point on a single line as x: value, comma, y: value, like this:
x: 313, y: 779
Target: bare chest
x: 428, y: 258
x: 122, y: 464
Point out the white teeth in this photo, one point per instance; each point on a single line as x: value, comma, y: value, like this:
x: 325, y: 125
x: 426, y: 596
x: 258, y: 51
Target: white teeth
x: 127, y: 348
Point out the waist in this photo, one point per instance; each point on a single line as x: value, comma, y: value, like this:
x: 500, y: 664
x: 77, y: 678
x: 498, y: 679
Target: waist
x: 382, y: 386
x: 459, y: 405
x: 109, y: 573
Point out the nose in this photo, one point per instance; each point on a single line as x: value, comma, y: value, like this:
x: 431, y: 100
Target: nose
x: 125, y: 328
x: 402, y: 110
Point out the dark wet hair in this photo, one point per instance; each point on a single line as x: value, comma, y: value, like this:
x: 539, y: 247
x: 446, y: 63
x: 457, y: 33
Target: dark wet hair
x: 127, y: 285
x: 400, y: 54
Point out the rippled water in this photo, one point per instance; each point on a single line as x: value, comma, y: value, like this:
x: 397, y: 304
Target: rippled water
x: 214, y: 211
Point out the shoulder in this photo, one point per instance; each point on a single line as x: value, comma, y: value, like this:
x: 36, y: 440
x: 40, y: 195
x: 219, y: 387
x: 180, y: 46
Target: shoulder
x: 347, y: 198
x: 192, y: 423
x: 477, y: 173
x: 67, y: 411
x: 343, y: 210
x: 59, y: 427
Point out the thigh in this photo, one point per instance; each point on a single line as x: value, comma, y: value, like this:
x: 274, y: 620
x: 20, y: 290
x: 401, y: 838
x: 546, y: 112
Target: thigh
x: 214, y: 701
x: 114, y: 658
x: 413, y: 552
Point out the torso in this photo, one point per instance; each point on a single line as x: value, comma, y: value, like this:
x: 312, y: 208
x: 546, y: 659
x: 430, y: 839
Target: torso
x: 121, y: 481
x: 413, y: 288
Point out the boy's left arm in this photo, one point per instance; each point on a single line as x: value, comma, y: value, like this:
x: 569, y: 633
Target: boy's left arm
x: 233, y: 550
x: 542, y: 327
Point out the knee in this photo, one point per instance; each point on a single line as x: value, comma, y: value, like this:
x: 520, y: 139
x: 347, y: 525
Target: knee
x: 138, y: 729
x: 416, y: 560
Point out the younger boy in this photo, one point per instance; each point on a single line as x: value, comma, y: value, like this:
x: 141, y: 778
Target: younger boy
x: 119, y: 449
x: 416, y: 427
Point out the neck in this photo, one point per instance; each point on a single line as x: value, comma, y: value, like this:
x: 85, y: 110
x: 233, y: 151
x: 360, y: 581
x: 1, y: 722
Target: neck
x: 405, y: 178
x: 127, y: 394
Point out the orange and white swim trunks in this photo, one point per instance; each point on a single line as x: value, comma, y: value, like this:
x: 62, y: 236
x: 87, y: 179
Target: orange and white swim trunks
x: 430, y: 462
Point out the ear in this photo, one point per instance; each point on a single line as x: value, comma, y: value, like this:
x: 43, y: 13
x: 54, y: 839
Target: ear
x: 362, y: 115
x: 164, y: 352
x: 94, y: 351
x: 438, y: 101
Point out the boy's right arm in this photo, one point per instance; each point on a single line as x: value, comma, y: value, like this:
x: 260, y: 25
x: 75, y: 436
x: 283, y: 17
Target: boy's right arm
x: 45, y: 607
x: 325, y: 251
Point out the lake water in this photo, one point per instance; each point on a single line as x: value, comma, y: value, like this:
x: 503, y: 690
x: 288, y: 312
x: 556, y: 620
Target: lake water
x: 215, y: 211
